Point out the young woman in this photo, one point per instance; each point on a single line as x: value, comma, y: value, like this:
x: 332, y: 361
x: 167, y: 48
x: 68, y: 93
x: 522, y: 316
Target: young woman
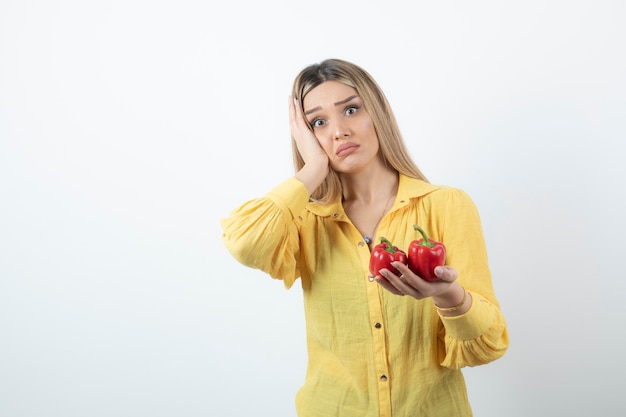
x: 384, y: 345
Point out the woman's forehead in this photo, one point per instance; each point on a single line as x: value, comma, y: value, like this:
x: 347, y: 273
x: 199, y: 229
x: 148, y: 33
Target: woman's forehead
x: 329, y: 93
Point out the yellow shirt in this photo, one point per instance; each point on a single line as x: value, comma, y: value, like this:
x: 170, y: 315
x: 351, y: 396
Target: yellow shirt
x: 372, y: 353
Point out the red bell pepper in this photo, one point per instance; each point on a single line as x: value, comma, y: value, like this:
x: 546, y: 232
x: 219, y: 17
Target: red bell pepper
x: 424, y: 255
x: 383, y: 254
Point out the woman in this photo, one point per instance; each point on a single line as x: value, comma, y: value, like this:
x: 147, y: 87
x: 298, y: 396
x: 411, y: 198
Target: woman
x: 384, y: 345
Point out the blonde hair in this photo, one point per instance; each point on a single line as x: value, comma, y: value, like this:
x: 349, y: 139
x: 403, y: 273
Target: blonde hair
x: 392, y: 148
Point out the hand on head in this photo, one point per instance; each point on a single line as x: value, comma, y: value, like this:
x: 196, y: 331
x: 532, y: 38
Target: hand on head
x: 307, y: 143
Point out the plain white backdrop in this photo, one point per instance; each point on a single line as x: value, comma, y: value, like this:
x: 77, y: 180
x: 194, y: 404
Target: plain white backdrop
x: 128, y: 128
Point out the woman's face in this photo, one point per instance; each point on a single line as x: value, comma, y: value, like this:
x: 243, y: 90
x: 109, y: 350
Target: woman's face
x: 342, y: 126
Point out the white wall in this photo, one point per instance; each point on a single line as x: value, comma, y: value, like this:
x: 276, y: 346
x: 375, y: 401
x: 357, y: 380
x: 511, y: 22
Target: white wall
x: 128, y: 128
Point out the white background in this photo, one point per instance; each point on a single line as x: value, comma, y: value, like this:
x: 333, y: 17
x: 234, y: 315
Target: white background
x: 128, y: 128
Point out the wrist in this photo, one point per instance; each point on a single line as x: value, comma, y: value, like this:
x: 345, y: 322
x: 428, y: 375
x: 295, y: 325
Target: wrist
x: 448, y: 309
x: 312, y: 176
x: 452, y: 297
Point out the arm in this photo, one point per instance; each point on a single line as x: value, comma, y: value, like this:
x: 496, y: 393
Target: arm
x: 479, y: 335
x: 474, y: 330
x: 263, y: 233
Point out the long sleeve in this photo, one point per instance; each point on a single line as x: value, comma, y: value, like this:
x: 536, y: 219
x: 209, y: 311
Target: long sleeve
x: 371, y: 351
x: 480, y: 335
x: 263, y: 233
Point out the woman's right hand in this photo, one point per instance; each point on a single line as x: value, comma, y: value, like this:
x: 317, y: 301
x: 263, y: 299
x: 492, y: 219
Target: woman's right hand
x: 315, y: 159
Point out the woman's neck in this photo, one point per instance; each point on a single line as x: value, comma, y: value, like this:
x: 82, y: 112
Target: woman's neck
x: 368, y: 186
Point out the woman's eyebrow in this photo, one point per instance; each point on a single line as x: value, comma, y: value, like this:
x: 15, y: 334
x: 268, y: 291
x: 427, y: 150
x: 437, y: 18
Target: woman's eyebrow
x: 339, y: 103
x: 344, y: 101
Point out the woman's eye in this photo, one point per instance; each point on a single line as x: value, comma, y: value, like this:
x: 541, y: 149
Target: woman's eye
x: 317, y: 123
x: 352, y: 109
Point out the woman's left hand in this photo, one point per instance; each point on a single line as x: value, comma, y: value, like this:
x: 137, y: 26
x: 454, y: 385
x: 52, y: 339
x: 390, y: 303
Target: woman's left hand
x: 407, y: 283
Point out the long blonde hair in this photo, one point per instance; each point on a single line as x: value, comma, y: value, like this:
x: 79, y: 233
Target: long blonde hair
x: 393, y: 151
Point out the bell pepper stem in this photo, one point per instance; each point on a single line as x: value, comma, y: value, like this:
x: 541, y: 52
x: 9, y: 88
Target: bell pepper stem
x: 389, y: 247
x: 426, y: 241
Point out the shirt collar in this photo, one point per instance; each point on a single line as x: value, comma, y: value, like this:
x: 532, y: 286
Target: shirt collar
x: 408, y: 188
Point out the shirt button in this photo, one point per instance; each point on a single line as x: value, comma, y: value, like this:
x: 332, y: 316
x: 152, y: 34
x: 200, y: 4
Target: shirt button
x: 361, y: 244
x: 378, y: 325
x: 383, y: 378
x: 335, y: 215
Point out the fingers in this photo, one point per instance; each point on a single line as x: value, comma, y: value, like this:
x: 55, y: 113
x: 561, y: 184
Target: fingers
x: 292, y: 111
x: 312, y: 153
x: 407, y: 283
x: 386, y: 283
x: 297, y: 121
x: 396, y: 284
x: 446, y: 273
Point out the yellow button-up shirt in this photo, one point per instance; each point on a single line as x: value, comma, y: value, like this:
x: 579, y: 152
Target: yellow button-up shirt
x: 372, y: 353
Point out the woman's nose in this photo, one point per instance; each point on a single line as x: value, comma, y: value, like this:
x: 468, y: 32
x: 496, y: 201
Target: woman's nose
x: 340, y: 130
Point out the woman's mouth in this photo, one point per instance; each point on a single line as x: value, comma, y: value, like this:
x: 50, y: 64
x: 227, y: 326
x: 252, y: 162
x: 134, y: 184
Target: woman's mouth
x: 346, y: 149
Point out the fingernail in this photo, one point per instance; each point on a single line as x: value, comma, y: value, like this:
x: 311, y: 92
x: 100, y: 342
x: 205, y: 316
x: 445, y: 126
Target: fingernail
x: 438, y: 270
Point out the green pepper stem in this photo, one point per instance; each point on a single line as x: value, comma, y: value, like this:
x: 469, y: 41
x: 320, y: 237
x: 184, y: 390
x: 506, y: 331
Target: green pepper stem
x: 426, y: 241
x: 389, y: 247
